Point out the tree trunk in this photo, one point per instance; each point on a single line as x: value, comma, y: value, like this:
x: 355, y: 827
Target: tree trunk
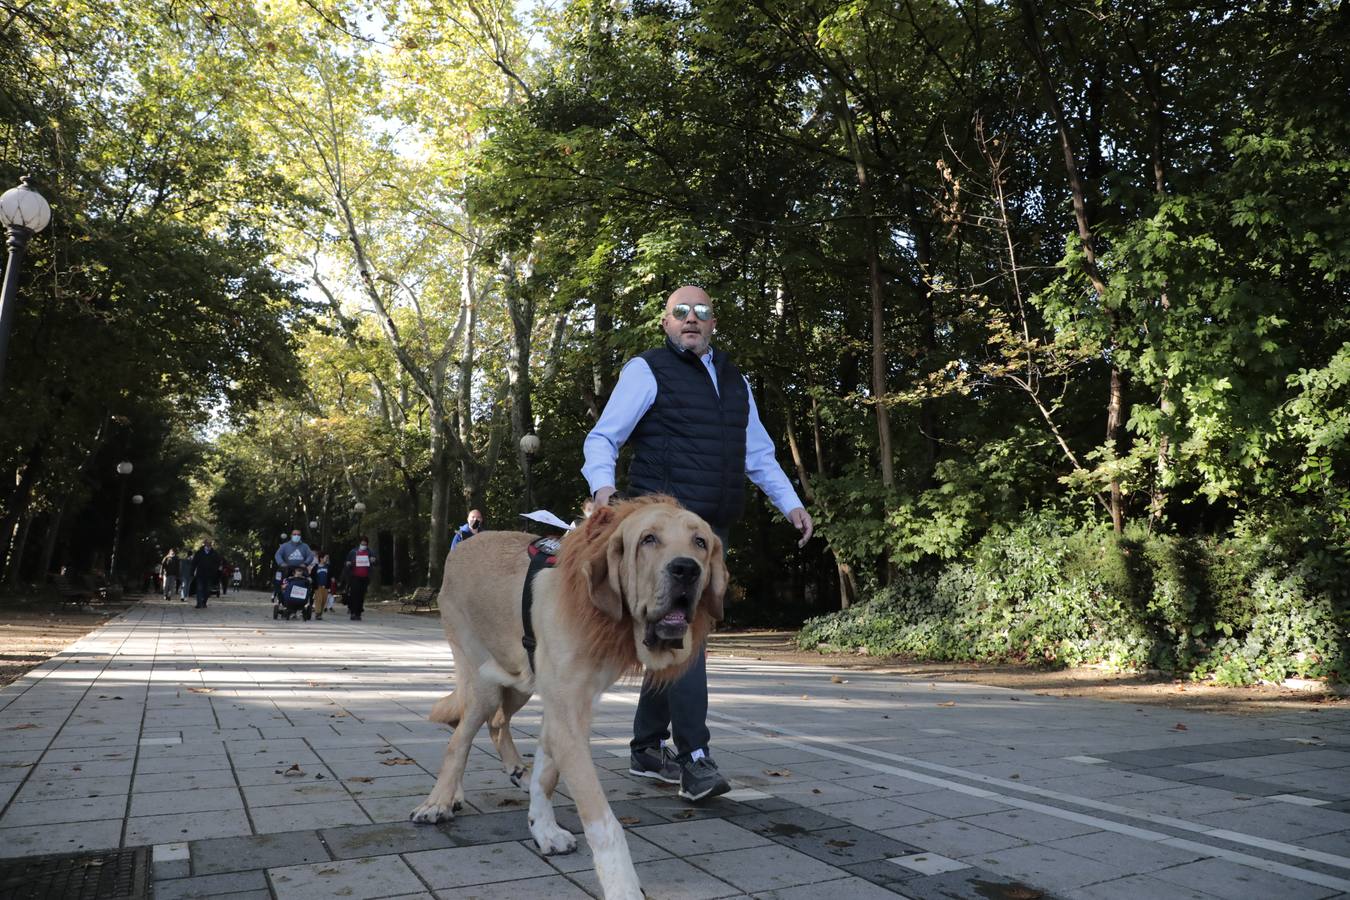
x: 1115, y: 405
x: 438, y: 536
x: 880, y: 389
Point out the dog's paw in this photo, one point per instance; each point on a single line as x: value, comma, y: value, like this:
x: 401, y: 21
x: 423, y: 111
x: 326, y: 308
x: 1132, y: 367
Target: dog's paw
x: 552, y: 839
x: 516, y: 775
x: 430, y: 813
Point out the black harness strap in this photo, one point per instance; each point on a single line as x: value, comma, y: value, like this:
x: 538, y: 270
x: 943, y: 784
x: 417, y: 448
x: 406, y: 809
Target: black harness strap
x: 543, y: 555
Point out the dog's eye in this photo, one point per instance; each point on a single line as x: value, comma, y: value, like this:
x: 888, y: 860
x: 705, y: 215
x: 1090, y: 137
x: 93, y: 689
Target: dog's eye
x: 649, y: 539
x: 700, y: 543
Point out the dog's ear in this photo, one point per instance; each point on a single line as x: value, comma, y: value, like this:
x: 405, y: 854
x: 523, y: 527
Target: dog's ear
x: 716, y: 588
x: 603, y: 569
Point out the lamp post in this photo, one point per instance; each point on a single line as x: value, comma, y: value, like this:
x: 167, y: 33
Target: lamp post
x: 124, y: 469
x: 24, y: 212
x: 529, y: 446
x: 359, y: 510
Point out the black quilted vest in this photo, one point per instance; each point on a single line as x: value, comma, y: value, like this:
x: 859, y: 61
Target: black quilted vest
x: 691, y: 443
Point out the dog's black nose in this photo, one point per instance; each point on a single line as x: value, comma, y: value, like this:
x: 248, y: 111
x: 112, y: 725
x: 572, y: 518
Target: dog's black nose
x: 684, y: 569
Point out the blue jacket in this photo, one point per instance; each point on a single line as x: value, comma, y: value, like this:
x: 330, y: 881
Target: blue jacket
x: 462, y: 533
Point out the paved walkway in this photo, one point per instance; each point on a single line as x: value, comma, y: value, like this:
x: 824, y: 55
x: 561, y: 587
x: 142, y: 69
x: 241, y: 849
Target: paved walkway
x: 281, y: 759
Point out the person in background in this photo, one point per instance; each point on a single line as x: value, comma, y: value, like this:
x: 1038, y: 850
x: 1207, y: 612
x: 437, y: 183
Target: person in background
x: 468, y: 529
x: 205, y: 571
x: 237, y: 579
x: 169, y: 566
x: 185, y: 574
x: 323, y: 601
x: 226, y: 568
x: 356, y: 574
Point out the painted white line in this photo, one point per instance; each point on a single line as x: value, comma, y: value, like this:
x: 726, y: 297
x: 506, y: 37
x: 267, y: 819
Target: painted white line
x: 1085, y: 760
x: 786, y: 735
x: 810, y: 743
x: 747, y: 794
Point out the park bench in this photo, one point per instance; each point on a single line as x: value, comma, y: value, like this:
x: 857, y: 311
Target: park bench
x: 72, y: 592
x: 422, y: 598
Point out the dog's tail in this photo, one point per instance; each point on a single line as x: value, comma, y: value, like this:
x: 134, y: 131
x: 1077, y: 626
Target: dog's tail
x: 448, y: 710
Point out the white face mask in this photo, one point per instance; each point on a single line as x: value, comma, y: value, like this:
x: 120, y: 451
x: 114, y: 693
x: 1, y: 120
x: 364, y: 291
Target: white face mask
x: 365, y: 546
x: 295, y: 538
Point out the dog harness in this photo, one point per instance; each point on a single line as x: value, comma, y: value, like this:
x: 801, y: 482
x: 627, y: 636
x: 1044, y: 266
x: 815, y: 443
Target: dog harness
x: 543, y: 555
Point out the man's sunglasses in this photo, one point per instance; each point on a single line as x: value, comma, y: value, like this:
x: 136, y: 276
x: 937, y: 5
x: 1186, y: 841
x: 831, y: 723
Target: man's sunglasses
x: 681, y: 311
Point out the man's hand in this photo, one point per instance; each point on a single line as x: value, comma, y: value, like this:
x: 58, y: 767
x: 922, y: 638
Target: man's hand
x: 801, y: 520
x: 602, y: 496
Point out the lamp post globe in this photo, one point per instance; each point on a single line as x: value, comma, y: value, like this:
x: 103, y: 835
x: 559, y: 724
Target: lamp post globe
x: 124, y: 468
x: 23, y: 212
x: 358, y: 507
x: 313, y: 524
x: 529, y: 444
x: 137, y: 499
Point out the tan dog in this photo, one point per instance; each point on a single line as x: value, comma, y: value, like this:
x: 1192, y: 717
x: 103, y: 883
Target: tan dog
x: 637, y: 586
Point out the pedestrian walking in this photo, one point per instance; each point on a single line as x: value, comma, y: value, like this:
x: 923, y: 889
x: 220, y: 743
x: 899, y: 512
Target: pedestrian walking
x: 471, y: 526
x: 185, y: 585
x: 205, y: 571
x: 169, y: 567
x: 356, y: 576
x: 696, y: 434
x: 323, y: 600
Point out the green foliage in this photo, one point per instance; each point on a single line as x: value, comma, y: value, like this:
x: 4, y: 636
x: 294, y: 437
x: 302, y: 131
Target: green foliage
x: 1264, y: 604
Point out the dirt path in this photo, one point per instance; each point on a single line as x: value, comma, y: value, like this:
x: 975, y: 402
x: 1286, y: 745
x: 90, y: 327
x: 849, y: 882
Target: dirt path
x: 1096, y: 684
x: 31, y: 633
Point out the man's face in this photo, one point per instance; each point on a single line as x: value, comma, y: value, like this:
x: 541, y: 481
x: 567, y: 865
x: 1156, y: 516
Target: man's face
x: 683, y: 323
x: 475, y: 522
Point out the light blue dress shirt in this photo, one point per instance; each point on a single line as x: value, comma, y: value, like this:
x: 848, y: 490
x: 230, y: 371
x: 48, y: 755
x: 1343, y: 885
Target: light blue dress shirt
x: 634, y: 395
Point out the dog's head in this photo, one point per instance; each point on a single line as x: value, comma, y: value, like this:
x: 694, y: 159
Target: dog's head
x: 656, y: 566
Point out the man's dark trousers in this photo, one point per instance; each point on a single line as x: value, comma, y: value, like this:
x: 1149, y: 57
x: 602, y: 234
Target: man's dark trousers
x: 203, y: 589
x: 356, y: 595
x: 681, y: 706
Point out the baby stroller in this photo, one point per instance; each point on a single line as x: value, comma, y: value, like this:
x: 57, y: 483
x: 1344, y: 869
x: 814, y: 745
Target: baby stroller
x: 296, y: 596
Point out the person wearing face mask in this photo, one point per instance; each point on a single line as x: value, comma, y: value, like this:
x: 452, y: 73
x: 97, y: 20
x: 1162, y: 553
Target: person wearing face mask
x: 690, y: 417
x: 205, y: 572
x: 294, y: 552
x: 468, y: 529
x: 360, y: 563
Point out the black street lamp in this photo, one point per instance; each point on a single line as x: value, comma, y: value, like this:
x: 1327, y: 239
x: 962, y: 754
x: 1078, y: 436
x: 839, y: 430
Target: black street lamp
x: 124, y: 469
x: 24, y: 212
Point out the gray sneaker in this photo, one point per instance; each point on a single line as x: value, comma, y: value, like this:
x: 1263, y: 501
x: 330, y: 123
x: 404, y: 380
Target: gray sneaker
x: 700, y: 779
x: 655, y: 762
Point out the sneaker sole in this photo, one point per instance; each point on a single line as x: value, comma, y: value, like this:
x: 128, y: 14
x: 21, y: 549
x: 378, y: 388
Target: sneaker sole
x: 655, y: 775
x: 716, y: 790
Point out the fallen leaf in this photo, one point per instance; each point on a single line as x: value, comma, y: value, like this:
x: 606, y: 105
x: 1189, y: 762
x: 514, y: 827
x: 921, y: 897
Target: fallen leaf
x: 839, y: 843
x: 815, y: 790
x: 386, y: 750
x: 1311, y: 742
x: 1014, y: 776
x: 629, y: 820
x: 684, y: 814
x: 1179, y: 727
x: 778, y: 773
x: 835, y: 679
x: 806, y: 697
x: 885, y: 717
x: 398, y: 761
x: 363, y: 779
x: 202, y: 690
x: 194, y: 670
x: 294, y: 771
x: 1015, y: 699
x: 948, y: 703
x: 23, y: 727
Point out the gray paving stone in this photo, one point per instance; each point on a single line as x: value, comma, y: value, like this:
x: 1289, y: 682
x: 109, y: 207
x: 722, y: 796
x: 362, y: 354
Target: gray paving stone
x: 1235, y: 882
x: 73, y: 788
x: 766, y: 868
x: 951, y: 804
x: 491, y: 828
x: 1029, y: 826
x: 100, y: 769
x: 323, y: 814
x: 187, y: 801
x: 1136, y: 887
x: 1280, y: 821
x: 1046, y: 866
x: 481, y: 864
x: 1137, y: 855
x: 296, y: 790
x: 951, y: 837
x: 162, y: 764
x: 259, y: 851
x: 211, y: 885
x: 847, y: 845
x: 669, y: 879
x: 183, y: 781
x: 353, y: 879
x: 185, y: 827
x: 580, y: 859
x: 853, y: 888
x: 552, y: 887
x: 71, y: 837
x: 688, y: 839
x: 53, y: 812
x: 383, y: 838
